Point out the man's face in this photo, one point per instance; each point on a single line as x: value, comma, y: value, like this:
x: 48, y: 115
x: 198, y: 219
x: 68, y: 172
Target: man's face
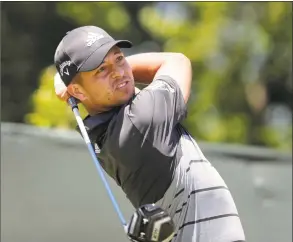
x: 110, y: 85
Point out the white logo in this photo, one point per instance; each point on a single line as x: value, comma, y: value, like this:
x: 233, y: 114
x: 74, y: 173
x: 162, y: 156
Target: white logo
x: 97, y: 149
x: 62, y: 66
x: 93, y: 37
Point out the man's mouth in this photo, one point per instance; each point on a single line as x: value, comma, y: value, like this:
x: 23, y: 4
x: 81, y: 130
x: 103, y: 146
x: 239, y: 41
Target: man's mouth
x: 122, y: 84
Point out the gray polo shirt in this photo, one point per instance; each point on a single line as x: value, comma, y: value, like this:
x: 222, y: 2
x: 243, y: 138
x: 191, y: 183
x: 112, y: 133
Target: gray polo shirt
x: 137, y: 143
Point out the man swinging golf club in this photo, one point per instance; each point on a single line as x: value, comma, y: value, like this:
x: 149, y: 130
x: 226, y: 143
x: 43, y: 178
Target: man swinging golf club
x: 139, y: 140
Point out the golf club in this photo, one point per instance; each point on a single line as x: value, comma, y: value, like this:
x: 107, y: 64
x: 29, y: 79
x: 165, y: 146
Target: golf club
x: 73, y: 104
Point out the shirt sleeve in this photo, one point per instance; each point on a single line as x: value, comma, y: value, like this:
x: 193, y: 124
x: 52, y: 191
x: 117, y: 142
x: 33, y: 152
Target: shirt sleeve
x: 156, y: 110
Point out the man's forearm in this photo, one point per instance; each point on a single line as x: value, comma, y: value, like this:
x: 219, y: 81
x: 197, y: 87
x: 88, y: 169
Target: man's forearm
x: 145, y: 66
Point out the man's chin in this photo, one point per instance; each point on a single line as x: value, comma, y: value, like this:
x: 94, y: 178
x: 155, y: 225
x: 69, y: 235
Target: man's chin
x: 126, y: 99
x: 123, y: 99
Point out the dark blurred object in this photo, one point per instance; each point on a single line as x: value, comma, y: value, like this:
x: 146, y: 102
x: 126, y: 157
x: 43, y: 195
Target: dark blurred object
x: 30, y: 32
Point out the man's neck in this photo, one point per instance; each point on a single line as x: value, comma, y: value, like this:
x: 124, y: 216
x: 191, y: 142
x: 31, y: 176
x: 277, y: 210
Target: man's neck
x: 94, y: 111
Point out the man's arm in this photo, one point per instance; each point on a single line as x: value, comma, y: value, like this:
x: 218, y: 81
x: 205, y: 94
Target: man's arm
x: 147, y: 66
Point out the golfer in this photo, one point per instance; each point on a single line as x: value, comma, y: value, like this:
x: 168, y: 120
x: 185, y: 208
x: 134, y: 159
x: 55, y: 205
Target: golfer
x: 138, y: 136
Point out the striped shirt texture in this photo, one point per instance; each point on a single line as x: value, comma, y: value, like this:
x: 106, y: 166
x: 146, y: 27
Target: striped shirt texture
x: 199, y: 201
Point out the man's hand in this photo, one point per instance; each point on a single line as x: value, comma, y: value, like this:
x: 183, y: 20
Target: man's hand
x: 60, y: 88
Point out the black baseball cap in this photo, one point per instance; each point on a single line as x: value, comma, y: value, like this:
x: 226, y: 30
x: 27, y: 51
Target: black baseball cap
x: 84, y: 49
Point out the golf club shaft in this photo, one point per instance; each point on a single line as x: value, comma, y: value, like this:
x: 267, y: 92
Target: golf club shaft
x: 72, y: 102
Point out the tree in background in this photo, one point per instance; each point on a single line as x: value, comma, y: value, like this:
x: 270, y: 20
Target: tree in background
x: 242, y: 58
x: 241, y: 55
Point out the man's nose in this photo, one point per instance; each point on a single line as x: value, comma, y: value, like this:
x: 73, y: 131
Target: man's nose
x: 117, y: 72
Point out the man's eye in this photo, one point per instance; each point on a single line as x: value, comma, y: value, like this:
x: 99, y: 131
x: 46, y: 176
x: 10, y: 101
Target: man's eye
x: 101, y: 69
x: 120, y: 58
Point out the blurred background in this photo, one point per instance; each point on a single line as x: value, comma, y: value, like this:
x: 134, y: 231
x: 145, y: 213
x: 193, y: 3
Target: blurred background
x: 240, y: 111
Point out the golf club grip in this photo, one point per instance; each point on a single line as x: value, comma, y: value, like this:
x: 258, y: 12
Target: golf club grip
x: 72, y: 102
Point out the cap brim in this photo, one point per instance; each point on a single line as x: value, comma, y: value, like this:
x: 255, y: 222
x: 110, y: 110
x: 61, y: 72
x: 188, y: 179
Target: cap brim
x: 96, y: 59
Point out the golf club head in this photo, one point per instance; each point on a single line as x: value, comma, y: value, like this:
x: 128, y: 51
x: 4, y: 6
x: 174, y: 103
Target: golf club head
x: 150, y: 223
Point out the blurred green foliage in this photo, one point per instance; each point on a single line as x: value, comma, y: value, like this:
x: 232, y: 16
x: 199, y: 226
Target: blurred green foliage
x: 48, y: 110
x: 241, y: 54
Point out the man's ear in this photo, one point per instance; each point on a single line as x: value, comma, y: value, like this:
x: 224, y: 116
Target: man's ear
x: 75, y: 90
